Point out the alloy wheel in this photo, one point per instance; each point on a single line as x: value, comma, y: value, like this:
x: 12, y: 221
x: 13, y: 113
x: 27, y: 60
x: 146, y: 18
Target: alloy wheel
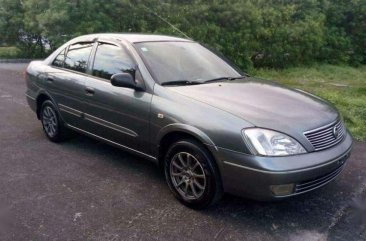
x: 49, y: 121
x: 187, y: 175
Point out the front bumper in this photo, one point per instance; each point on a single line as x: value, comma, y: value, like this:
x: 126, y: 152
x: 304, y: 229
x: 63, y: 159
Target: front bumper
x: 252, y: 176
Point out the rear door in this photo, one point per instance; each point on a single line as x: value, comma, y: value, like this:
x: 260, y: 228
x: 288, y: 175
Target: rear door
x: 66, y: 81
x: 118, y: 114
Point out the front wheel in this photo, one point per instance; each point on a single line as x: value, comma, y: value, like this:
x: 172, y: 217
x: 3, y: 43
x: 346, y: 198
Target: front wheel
x: 192, y: 175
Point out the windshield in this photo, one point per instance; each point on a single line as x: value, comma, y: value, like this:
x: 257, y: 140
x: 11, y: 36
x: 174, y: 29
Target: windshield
x: 183, y: 61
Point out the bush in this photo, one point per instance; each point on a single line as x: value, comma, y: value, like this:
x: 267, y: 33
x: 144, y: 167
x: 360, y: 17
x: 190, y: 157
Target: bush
x: 9, y: 52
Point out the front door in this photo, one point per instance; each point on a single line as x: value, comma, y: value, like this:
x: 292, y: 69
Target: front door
x: 117, y: 114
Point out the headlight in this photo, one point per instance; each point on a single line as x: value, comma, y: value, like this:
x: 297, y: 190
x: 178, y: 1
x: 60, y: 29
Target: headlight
x: 271, y: 143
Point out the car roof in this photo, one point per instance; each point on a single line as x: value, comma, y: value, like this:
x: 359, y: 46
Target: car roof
x: 130, y: 37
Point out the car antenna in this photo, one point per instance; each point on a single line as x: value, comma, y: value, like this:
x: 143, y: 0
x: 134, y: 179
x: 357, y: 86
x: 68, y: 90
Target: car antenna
x: 166, y: 21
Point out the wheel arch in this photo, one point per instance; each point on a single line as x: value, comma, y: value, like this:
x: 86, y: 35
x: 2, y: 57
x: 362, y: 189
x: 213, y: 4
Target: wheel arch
x: 175, y: 132
x: 42, y: 97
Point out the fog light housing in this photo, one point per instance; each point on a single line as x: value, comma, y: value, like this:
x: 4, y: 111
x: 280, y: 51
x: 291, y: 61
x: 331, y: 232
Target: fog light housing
x: 282, y: 190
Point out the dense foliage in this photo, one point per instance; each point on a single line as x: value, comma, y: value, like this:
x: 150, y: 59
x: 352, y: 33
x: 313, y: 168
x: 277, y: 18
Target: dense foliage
x: 259, y: 33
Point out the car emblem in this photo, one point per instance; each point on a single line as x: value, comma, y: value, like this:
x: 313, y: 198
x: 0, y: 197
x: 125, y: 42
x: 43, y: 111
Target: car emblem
x: 335, y: 132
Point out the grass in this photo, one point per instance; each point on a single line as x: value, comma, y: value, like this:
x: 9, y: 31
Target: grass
x: 9, y: 52
x: 343, y: 86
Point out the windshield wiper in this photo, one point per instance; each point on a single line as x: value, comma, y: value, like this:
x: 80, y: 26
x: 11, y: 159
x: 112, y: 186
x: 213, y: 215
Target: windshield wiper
x: 182, y: 82
x: 192, y: 82
x: 225, y: 78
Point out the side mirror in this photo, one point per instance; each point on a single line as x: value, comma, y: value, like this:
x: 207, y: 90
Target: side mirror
x: 125, y: 80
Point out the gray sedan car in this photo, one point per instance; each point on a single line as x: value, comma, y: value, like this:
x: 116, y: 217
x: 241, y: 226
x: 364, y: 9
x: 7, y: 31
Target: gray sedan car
x: 210, y: 127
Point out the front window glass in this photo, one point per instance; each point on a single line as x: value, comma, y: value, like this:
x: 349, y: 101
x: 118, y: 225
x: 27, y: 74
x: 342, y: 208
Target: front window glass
x: 176, y: 61
x: 77, y: 57
x: 109, y: 60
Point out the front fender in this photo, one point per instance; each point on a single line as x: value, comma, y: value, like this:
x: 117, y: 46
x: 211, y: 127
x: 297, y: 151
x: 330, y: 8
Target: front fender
x: 178, y: 127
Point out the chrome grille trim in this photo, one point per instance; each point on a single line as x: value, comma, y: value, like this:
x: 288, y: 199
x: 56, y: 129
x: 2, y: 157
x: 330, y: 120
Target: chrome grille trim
x: 322, y: 138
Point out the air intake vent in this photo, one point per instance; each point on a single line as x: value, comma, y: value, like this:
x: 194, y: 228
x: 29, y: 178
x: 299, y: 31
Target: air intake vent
x: 318, y: 182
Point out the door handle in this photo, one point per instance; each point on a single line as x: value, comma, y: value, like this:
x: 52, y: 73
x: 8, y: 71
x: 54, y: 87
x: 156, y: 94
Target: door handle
x: 89, y: 91
x: 50, y: 80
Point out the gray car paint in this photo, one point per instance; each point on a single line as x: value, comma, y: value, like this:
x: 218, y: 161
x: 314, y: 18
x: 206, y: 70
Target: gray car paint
x: 265, y: 105
x: 213, y: 113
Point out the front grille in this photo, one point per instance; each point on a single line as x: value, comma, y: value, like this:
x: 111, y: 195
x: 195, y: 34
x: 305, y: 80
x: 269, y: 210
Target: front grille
x: 318, y: 182
x: 326, y: 136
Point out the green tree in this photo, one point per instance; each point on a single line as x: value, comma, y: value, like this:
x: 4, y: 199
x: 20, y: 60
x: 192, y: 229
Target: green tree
x: 253, y: 33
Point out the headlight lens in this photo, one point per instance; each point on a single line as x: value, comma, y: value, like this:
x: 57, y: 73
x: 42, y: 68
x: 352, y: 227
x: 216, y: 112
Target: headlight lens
x: 272, y: 143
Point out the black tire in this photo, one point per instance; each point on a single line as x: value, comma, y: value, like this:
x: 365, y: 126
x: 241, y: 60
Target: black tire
x: 48, y: 111
x: 194, y: 152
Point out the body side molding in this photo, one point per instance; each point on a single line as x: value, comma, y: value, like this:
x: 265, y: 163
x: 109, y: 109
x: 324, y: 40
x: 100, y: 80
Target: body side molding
x: 152, y: 158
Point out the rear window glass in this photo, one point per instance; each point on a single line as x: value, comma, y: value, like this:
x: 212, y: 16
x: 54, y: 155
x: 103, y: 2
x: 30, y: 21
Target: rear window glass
x: 77, y: 57
x: 59, y: 60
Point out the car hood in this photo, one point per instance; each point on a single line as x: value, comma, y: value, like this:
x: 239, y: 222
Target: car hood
x: 264, y: 104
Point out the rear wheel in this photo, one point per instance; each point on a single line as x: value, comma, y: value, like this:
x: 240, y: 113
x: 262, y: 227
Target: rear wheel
x: 51, y: 122
x: 192, y: 175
